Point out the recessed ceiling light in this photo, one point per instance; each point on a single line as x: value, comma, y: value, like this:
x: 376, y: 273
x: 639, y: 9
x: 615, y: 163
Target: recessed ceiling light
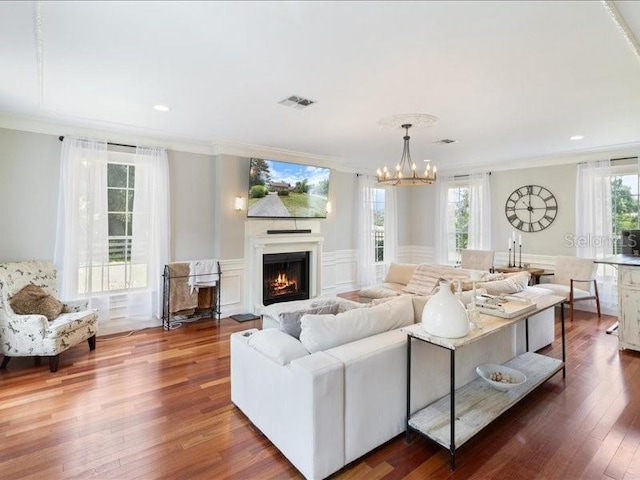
x: 161, y: 108
x: 577, y: 137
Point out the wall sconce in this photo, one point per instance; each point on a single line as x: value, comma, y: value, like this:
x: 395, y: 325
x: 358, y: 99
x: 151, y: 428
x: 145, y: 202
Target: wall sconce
x: 328, y: 208
x: 238, y: 203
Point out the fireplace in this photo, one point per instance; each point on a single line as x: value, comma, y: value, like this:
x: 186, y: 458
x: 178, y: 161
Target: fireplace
x: 285, y: 277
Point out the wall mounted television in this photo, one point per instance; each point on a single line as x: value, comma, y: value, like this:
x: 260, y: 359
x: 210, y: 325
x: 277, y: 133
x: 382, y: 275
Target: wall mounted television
x: 287, y: 190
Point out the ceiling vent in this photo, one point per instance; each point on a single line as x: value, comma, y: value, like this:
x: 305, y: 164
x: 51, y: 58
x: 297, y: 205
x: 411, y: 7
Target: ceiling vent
x: 446, y: 141
x: 295, y: 101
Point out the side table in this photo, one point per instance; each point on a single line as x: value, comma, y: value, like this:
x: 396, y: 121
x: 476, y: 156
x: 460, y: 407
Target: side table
x: 535, y: 272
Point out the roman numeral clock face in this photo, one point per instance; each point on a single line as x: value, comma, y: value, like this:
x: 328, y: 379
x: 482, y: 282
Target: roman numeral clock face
x: 531, y: 208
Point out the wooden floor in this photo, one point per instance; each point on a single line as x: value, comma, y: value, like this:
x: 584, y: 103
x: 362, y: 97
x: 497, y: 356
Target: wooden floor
x: 156, y: 404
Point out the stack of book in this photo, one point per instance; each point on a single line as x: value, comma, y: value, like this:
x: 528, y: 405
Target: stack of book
x: 504, y: 306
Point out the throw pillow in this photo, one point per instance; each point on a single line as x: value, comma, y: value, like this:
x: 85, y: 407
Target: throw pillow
x: 513, y: 283
x: 423, y: 281
x: 34, y: 300
x: 321, y: 332
x: 277, y: 346
x: 290, y: 321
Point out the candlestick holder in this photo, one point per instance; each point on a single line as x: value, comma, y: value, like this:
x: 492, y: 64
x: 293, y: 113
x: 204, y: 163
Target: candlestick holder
x: 510, y: 258
x: 520, y: 262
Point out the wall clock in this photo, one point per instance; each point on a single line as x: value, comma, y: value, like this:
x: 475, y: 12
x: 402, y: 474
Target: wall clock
x: 531, y: 208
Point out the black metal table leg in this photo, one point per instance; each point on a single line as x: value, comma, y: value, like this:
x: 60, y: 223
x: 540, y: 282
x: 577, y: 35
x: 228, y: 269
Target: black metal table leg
x: 452, y: 446
x: 564, y: 358
x: 526, y: 333
x: 408, y: 432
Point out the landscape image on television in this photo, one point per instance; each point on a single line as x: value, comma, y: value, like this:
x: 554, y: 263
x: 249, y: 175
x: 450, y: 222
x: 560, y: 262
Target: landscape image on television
x: 287, y: 190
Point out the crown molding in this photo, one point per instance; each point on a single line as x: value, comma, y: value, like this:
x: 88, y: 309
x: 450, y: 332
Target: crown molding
x: 258, y: 151
x: 57, y: 128
x: 48, y: 127
x: 554, y: 159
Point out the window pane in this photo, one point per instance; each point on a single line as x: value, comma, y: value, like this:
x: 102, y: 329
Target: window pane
x: 117, y: 224
x: 116, y: 175
x: 132, y: 176
x: 630, y: 181
x: 130, y: 205
x: 117, y: 276
x: 138, y: 276
x: 117, y: 200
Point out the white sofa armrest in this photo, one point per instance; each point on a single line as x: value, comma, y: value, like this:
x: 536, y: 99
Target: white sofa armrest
x: 299, y: 406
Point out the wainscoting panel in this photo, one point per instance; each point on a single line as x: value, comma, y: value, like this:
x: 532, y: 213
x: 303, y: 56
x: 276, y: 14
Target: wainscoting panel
x: 346, y: 271
x: 232, y: 292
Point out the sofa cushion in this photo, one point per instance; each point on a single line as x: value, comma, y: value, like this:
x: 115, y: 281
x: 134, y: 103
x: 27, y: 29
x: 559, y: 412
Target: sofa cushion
x: 278, y: 346
x: 513, y: 283
x: 290, y: 321
x: 321, y: 332
x: 400, y: 273
x: 34, y: 300
x: 386, y: 290
x: 343, y: 304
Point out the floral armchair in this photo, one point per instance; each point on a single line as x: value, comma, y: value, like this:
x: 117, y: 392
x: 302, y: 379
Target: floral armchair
x: 34, y: 335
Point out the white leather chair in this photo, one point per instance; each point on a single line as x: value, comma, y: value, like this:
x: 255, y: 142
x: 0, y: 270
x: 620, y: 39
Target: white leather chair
x: 477, y: 259
x: 570, y: 271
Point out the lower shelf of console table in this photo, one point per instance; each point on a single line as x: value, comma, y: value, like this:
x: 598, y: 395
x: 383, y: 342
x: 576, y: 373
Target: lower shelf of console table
x: 477, y: 403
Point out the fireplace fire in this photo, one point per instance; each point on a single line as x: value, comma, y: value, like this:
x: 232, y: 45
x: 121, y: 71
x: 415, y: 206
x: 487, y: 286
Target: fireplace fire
x: 285, y: 277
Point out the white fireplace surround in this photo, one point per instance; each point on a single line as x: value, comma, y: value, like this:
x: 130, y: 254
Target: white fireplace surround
x: 258, y: 243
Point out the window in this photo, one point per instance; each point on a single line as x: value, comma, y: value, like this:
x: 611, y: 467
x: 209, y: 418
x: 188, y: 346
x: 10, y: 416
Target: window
x: 625, y: 194
x: 378, y: 224
x: 458, y: 219
x: 120, y: 273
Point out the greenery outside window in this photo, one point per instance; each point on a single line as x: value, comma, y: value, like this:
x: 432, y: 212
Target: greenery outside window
x: 458, y: 217
x: 378, y: 224
x: 625, y: 203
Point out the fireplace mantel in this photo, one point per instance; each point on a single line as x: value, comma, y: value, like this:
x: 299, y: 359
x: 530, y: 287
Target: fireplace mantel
x: 258, y: 244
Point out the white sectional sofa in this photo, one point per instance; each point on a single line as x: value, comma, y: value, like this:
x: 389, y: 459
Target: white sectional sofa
x: 323, y: 409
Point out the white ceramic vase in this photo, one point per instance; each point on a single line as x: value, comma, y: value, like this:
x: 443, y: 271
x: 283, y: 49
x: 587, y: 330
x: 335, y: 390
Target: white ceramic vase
x: 444, y: 314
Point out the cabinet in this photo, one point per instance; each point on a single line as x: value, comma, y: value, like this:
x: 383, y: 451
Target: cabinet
x: 629, y: 303
x: 455, y: 418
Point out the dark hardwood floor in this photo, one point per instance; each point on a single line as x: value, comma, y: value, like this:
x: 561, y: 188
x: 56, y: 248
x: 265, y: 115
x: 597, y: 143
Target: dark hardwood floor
x: 156, y: 405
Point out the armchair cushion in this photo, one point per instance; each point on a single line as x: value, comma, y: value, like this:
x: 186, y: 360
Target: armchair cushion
x: 34, y: 300
x: 563, y: 291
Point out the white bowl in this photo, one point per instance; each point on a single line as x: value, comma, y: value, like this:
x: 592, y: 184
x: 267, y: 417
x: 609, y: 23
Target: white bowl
x: 517, y: 378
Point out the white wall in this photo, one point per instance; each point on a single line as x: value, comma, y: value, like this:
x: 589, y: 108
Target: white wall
x: 29, y: 173
x: 559, y: 180
x: 192, y: 205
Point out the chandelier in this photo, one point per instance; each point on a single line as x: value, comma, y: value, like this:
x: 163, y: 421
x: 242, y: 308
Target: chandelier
x: 406, y: 171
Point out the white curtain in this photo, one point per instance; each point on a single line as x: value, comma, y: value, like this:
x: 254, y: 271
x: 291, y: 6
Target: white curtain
x: 365, y: 232
x: 445, y: 240
x: 390, y: 225
x: 150, y: 232
x: 82, y: 228
x: 480, y: 211
x: 594, y: 224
